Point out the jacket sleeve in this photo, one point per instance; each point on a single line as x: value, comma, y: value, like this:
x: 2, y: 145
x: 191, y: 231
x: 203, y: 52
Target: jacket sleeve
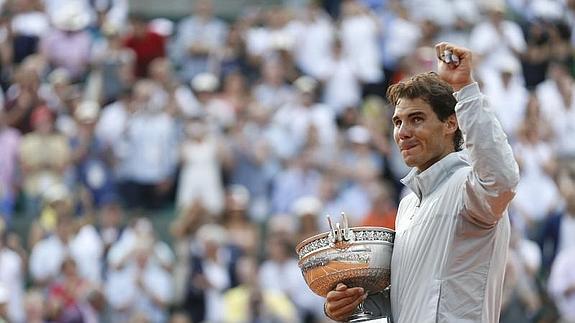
x: 379, y: 304
x: 490, y: 186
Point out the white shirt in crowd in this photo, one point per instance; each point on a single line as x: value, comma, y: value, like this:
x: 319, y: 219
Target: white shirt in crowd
x: 12, y: 279
x: 314, y: 42
x: 400, y: 39
x: 297, y: 119
x: 342, y: 87
x: 126, y: 296
x: 560, y: 117
x: 85, y: 248
x: 291, y: 284
x: 200, y: 177
x: 116, y: 10
x: 561, y: 278
x: 218, y: 277
x: 120, y: 252
x: 486, y: 40
x: 30, y: 23
x: 150, y: 151
x: 508, y: 102
x: 537, y: 193
x: 567, y: 232
x: 360, y: 41
x: 264, y: 41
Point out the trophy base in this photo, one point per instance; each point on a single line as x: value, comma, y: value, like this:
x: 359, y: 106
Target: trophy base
x: 370, y: 319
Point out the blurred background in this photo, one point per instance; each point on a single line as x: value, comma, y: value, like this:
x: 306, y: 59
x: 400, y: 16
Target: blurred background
x: 160, y: 160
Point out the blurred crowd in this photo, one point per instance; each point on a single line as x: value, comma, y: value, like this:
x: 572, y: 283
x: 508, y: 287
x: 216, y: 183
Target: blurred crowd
x: 245, y: 132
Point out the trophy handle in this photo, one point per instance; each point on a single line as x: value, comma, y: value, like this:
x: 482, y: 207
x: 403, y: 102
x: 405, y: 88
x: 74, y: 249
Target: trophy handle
x: 340, y: 237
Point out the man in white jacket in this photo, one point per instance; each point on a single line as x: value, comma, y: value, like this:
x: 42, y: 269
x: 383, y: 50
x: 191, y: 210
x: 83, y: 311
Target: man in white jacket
x: 452, y: 230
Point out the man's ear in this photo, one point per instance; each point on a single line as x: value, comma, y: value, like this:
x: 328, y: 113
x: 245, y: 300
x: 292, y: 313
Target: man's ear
x: 450, y: 125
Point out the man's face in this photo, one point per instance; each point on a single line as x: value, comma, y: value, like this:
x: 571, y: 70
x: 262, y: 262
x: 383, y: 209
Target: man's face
x: 421, y: 137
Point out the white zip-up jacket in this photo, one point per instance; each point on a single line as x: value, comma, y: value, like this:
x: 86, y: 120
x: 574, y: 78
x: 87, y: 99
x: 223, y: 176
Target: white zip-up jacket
x: 452, y: 231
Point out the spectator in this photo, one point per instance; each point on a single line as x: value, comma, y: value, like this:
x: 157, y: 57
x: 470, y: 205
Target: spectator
x: 45, y: 157
x: 297, y: 117
x: 183, y: 230
x: 67, y: 295
x: 10, y: 139
x: 29, y: 25
x: 22, y: 98
x: 314, y: 41
x: 507, y: 87
x: 537, y: 166
x: 115, y: 63
x: 141, y: 286
x: 558, y: 233
x: 359, y: 37
x: 537, y: 56
x: 521, y: 300
x: 146, y: 44
x: 68, y: 45
x: 200, y: 179
x: 34, y: 306
x: 281, y: 262
x: 11, y: 282
x: 249, y: 302
x: 110, y: 227
x: 209, y: 275
x: 233, y: 57
x: 307, y: 209
x: 253, y: 161
x: 3, y: 301
x: 496, y: 38
x: 178, y: 99
x: 297, y: 179
x: 557, y: 106
x: 272, y: 91
x: 242, y: 231
x: 342, y: 83
x: 148, y: 154
x: 562, y: 284
x: 199, y: 38
x: 122, y: 253
x: 90, y: 156
x: 383, y: 210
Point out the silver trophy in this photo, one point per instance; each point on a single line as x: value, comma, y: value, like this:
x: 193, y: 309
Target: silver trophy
x: 357, y: 257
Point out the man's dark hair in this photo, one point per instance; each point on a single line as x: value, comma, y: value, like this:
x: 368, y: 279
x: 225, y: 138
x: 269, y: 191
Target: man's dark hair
x: 434, y: 91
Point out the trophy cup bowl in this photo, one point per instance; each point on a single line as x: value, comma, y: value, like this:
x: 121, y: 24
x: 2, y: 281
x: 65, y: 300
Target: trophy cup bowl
x: 356, y: 257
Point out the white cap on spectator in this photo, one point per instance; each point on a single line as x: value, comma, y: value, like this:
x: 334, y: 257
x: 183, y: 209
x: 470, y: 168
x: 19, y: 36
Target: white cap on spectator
x: 547, y: 9
x: 307, y: 205
x: 305, y: 84
x: 87, y: 112
x: 238, y: 197
x: 508, y: 64
x: 71, y: 17
x: 358, y: 135
x: 281, y: 42
x: 55, y: 193
x: 205, y: 82
x: 162, y: 27
x: 59, y: 76
x: 494, y: 6
x: 282, y: 223
x: 467, y: 10
x: 212, y: 233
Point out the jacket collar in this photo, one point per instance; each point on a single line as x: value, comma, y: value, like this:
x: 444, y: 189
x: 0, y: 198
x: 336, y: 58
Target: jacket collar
x: 423, y: 183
